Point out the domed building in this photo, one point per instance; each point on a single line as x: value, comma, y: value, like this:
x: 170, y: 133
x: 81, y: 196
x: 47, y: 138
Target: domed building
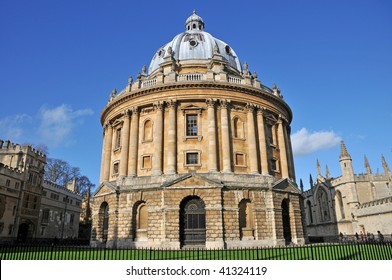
x: 196, y: 152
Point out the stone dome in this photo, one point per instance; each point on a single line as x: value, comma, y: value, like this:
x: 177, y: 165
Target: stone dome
x: 195, y: 44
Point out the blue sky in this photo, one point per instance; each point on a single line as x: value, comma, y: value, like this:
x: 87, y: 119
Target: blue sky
x: 59, y: 60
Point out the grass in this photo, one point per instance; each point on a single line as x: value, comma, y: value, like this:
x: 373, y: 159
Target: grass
x: 353, y: 251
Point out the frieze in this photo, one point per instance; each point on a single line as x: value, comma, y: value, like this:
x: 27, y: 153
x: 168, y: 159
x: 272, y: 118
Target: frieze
x: 278, y: 102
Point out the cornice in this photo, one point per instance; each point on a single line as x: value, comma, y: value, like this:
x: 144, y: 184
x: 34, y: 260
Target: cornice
x: 197, y: 85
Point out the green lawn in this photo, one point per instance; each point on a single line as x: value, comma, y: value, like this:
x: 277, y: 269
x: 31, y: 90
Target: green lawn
x: 308, y: 252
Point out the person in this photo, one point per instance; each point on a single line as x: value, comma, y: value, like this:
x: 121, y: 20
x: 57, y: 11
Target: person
x: 341, y: 236
x: 357, y: 236
x: 380, y: 237
x: 362, y: 236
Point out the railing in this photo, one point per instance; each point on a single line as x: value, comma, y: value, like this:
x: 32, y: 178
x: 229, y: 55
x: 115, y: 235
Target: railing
x: 190, y: 77
x: 234, y: 80
x: 149, y: 83
x: 331, y: 251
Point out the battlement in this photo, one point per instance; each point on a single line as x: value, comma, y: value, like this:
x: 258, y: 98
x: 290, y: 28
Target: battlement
x: 48, y: 184
x: 9, y: 147
x: 9, y: 169
x: 376, y: 202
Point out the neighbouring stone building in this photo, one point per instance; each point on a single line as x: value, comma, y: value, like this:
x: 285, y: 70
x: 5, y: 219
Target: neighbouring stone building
x: 196, y: 152
x: 31, y: 208
x: 59, y: 212
x: 351, y: 203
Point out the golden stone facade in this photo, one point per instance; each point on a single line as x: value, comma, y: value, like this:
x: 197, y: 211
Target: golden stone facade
x: 196, y: 152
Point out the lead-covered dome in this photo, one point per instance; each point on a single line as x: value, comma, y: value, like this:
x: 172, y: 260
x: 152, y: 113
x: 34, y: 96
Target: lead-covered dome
x: 195, y: 44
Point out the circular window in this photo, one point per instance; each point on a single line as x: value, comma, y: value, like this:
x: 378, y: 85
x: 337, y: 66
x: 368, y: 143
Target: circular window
x: 193, y: 42
x: 161, y: 52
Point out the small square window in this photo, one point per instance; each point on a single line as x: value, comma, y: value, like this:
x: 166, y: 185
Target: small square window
x: 115, y: 168
x: 240, y: 159
x: 146, y: 162
x: 192, y: 158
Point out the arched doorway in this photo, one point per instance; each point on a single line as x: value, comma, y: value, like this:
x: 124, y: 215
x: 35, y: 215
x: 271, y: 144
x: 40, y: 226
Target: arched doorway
x: 192, y: 221
x: 286, y: 221
x: 245, y: 215
x: 104, y: 220
x: 25, y: 231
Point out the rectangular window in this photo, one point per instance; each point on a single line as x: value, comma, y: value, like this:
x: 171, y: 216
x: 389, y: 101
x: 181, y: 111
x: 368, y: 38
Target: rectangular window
x: 26, y: 201
x: 7, y: 183
x: 45, y: 216
x: 118, y: 138
x: 192, y: 158
x: 115, y: 168
x: 35, y: 202
x: 240, y: 159
x: 191, y: 125
x: 146, y: 162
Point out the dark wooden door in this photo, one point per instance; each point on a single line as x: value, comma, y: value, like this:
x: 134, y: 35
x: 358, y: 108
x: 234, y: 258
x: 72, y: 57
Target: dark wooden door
x: 193, y: 222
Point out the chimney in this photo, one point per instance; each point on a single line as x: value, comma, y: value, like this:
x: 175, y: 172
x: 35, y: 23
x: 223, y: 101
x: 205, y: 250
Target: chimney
x: 71, y: 185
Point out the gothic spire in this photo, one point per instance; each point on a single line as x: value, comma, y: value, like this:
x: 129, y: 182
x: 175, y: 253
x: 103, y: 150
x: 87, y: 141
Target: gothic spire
x: 311, y: 180
x: 327, y: 174
x: 385, y: 166
x: 367, y: 166
x: 343, y: 150
x: 301, y: 185
x: 318, y: 168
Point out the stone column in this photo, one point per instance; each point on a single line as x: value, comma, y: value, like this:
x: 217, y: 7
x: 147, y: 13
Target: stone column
x: 212, y: 158
x: 124, y: 145
x: 172, y: 137
x: 282, y: 148
x: 289, y: 152
x: 158, y: 140
x: 262, y: 142
x: 102, y: 156
x: 252, y: 140
x: 226, y: 154
x: 133, y: 145
x: 108, y: 151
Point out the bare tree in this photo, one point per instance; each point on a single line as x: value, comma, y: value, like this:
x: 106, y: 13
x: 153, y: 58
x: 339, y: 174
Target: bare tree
x: 60, y: 172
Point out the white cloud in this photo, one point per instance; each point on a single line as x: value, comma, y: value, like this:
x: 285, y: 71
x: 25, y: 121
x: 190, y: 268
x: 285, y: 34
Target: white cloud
x: 305, y: 143
x: 56, y: 124
x: 12, y: 128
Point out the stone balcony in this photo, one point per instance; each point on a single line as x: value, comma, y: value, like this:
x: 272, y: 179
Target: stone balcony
x: 145, y: 81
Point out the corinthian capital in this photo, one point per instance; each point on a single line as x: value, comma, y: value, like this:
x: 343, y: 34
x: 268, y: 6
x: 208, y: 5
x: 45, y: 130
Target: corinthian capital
x: 210, y: 102
x: 172, y: 103
x: 250, y: 107
x: 261, y: 110
x: 135, y: 111
x: 224, y: 103
x: 158, y: 105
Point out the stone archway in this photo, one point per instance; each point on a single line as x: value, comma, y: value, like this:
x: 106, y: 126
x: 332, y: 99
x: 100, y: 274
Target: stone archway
x: 104, y: 220
x: 286, y: 221
x: 192, y: 221
x: 25, y: 231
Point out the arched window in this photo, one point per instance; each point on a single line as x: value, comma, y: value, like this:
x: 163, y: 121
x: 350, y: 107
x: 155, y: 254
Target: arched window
x: 309, y: 211
x: 238, y: 128
x: 245, y: 219
x: 142, y: 215
x: 339, y: 199
x: 286, y: 221
x: 140, y: 221
x: 104, y: 220
x: 147, y: 133
x: 322, y: 201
